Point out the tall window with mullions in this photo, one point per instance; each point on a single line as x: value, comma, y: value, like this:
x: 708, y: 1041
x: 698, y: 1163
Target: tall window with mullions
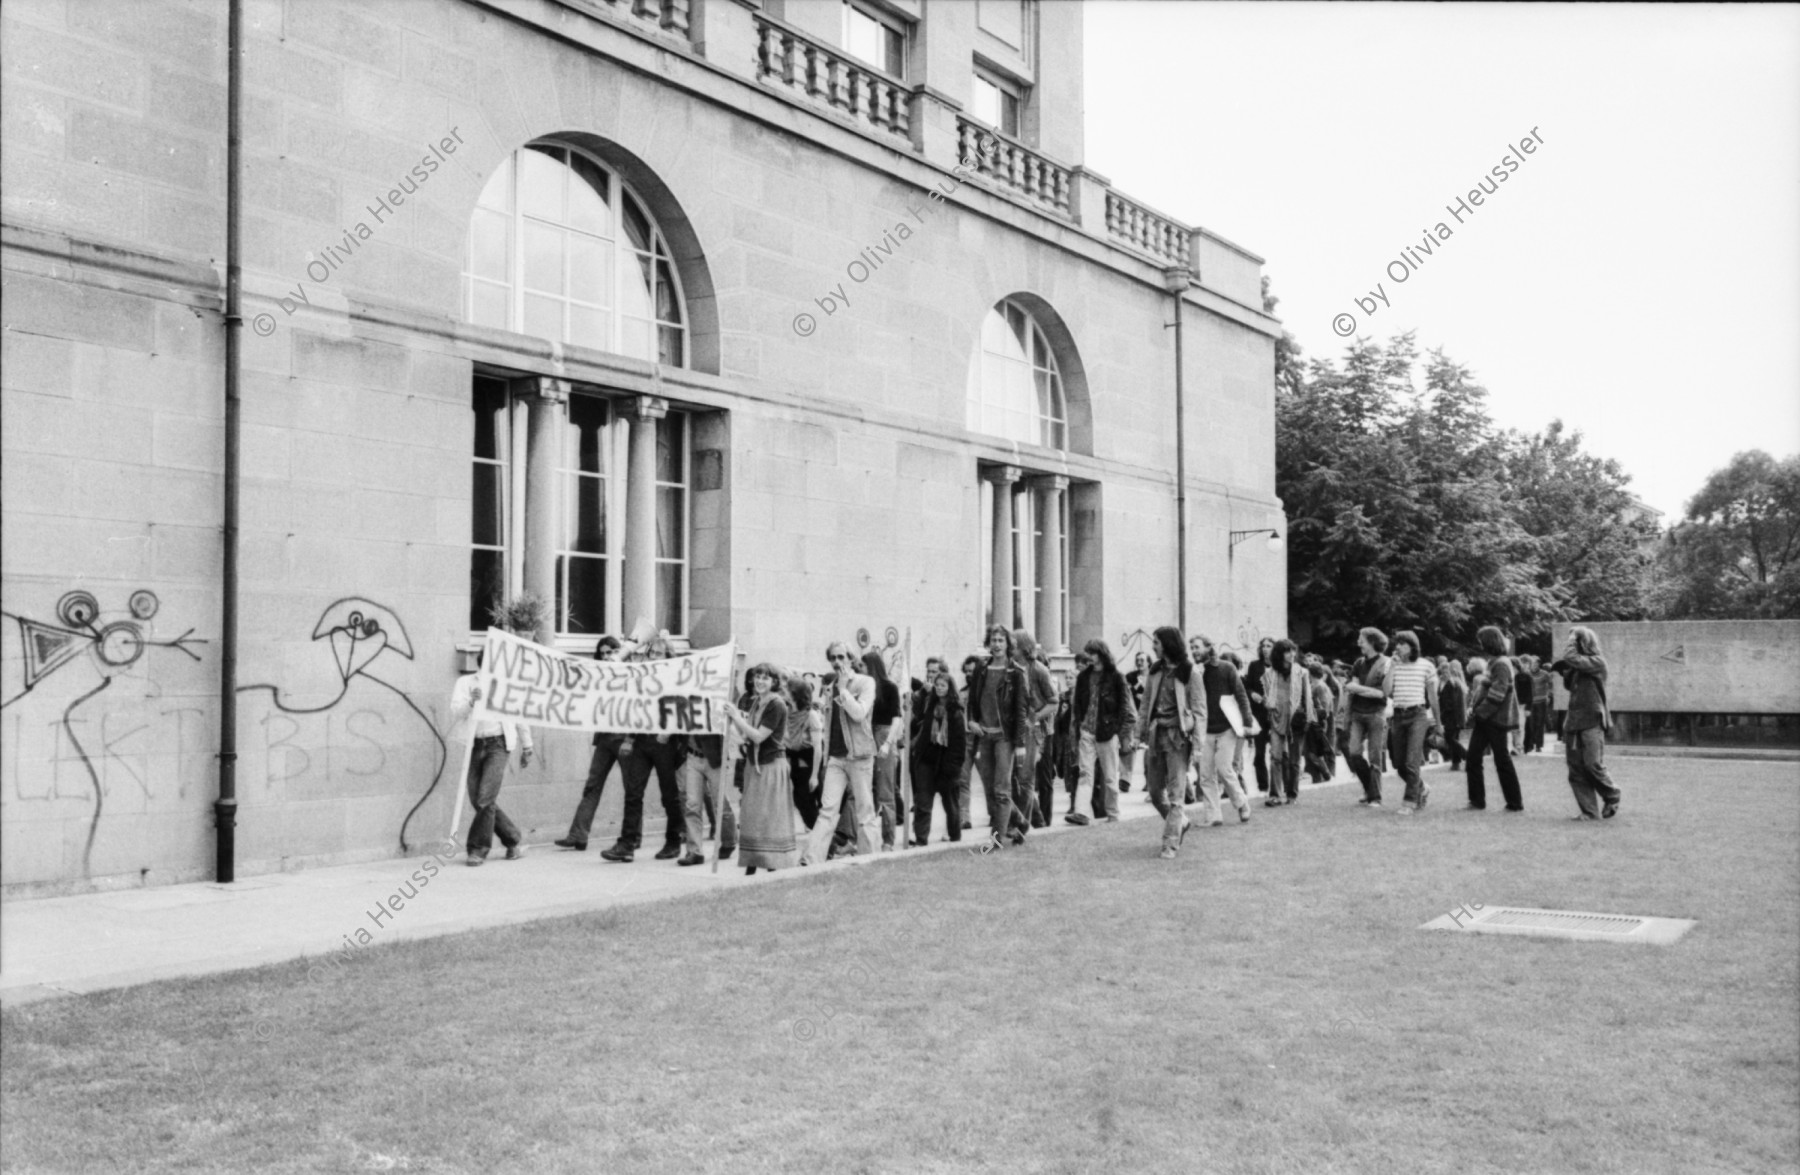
x: 490, y: 500
x: 672, y: 523
x: 580, y: 606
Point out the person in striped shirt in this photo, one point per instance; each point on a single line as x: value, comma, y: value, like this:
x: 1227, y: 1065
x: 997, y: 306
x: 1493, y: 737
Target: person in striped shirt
x: 1411, y: 684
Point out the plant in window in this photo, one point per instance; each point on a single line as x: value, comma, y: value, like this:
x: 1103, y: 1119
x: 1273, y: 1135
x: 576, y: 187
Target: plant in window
x: 522, y: 615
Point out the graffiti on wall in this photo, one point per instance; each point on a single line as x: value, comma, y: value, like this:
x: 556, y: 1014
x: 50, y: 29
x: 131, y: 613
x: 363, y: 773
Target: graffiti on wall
x: 359, y: 632
x: 86, y: 653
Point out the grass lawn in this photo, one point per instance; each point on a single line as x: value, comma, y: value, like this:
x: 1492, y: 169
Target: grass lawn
x: 1262, y: 1004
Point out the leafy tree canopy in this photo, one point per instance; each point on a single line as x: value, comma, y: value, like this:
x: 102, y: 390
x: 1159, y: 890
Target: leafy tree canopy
x: 1408, y: 509
x: 1737, y: 552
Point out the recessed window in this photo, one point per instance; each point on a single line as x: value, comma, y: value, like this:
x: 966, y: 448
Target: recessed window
x: 559, y: 248
x: 996, y: 102
x: 1015, y: 390
x: 874, y: 40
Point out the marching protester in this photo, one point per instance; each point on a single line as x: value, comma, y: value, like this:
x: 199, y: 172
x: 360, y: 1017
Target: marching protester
x: 640, y: 755
x: 1493, y: 713
x: 705, y: 796
x: 766, y: 831
x: 1522, y: 683
x: 1135, y: 679
x: 608, y: 747
x: 1288, y: 708
x: 493, y: 744
x: 1537, y: 717
x: 849, y: 756
x: 1032, y: 800
x: 885, y: 721
x: 1174, y: 697
x: 1221, y: 732
x: 1585, y: 724
x: 1411, y: 685
x: 968, y: 763
x: 1320, y: 759
x: 939, y: 734
x: 1368, y: 713
x: 997, y: 717
x: 805, y: 744
x: 1453, y: 696
x: 1259, y: 708
x: 1101, y: 710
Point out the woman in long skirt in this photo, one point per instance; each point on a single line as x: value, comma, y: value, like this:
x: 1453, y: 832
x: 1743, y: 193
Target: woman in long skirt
x: 766, y: 820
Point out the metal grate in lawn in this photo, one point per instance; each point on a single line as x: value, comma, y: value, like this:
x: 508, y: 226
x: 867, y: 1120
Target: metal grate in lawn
x: 1476, y: 918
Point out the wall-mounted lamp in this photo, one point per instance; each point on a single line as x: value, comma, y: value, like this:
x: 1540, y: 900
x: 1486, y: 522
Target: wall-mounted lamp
x: 1275, y: 540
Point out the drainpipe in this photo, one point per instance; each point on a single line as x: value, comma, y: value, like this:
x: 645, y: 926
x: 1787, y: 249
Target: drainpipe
x: 225, y: 807
x: 1175, y: 280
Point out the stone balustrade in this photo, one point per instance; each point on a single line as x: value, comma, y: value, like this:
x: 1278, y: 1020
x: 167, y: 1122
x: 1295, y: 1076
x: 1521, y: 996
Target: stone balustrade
x: 670, y: 16
x: 1013, y: 166
x: 1152, y: 233
x: 827, y: 77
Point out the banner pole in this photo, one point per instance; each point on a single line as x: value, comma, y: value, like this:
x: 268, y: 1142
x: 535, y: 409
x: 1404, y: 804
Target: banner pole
x: 727, y: 762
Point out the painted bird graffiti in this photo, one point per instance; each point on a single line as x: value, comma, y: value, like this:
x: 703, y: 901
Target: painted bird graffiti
x: 359, y: 631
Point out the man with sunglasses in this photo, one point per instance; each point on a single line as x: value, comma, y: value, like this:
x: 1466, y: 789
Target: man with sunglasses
x: 849, y: 755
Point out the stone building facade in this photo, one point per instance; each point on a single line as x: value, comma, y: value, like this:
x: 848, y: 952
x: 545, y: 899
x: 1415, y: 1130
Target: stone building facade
x: 755, y: 319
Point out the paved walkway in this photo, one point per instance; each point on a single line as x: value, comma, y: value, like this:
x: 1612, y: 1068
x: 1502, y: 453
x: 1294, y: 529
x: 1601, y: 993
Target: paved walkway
x: 92, y: 942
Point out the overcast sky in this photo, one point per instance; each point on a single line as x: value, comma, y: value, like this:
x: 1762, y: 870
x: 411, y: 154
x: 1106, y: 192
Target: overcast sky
x: 1639, y: 276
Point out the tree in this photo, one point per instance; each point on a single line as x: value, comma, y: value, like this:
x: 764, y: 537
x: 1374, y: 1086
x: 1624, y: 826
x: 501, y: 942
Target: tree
x: 1737, y: 552
x: 1407, y: 509
x: 1288, y: 371
x: 1576, y: 508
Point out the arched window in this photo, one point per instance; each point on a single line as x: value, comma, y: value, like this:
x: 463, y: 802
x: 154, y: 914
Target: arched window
x: 1015, y: 390
x: 561, y: 249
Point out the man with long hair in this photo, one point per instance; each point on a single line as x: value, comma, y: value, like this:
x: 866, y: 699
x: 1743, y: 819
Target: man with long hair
x: 997, y: 720
x: 1031, y: 803
x: 1259, y: 708
x: 608, y: 750
x: 1102, y: 708
x: 1583, y: 671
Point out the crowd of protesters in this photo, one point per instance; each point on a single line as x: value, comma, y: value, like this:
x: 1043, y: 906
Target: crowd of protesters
x: 1180, y: 724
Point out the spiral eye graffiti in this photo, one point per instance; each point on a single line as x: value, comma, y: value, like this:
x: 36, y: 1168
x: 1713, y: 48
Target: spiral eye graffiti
x: 78, y: 609
x: 121, y: 644
x: 356, y: 621
x: 143, y: 604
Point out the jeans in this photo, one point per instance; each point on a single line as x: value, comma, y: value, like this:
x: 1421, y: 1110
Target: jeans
x: 1104, y: 756
x: 1165, y: 772
x: 994, y: 759
x: 1488, y: 736
x: 1025, y: 813
x: 1367, y: 733
x: 700, y: 793
x: 962, y: 779
x: 487, y: 771
x: 1264, y: 738
x: 934, y: 776
x: 648, y: 754
x: 1218, y: 764
x: 1409, y: 737
x: 1284, y: 765
x: 855, y: 776
x: 1585, y: 752
x: 887, y: 787
x: 599, y: 767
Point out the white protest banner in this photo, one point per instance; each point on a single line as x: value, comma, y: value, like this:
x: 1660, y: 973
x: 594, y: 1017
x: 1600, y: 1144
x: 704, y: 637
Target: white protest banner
x: 522, y: 681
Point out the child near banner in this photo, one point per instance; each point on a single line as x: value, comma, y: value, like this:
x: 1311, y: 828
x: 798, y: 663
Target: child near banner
x: 766, y: 829
x: 492, y: 747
